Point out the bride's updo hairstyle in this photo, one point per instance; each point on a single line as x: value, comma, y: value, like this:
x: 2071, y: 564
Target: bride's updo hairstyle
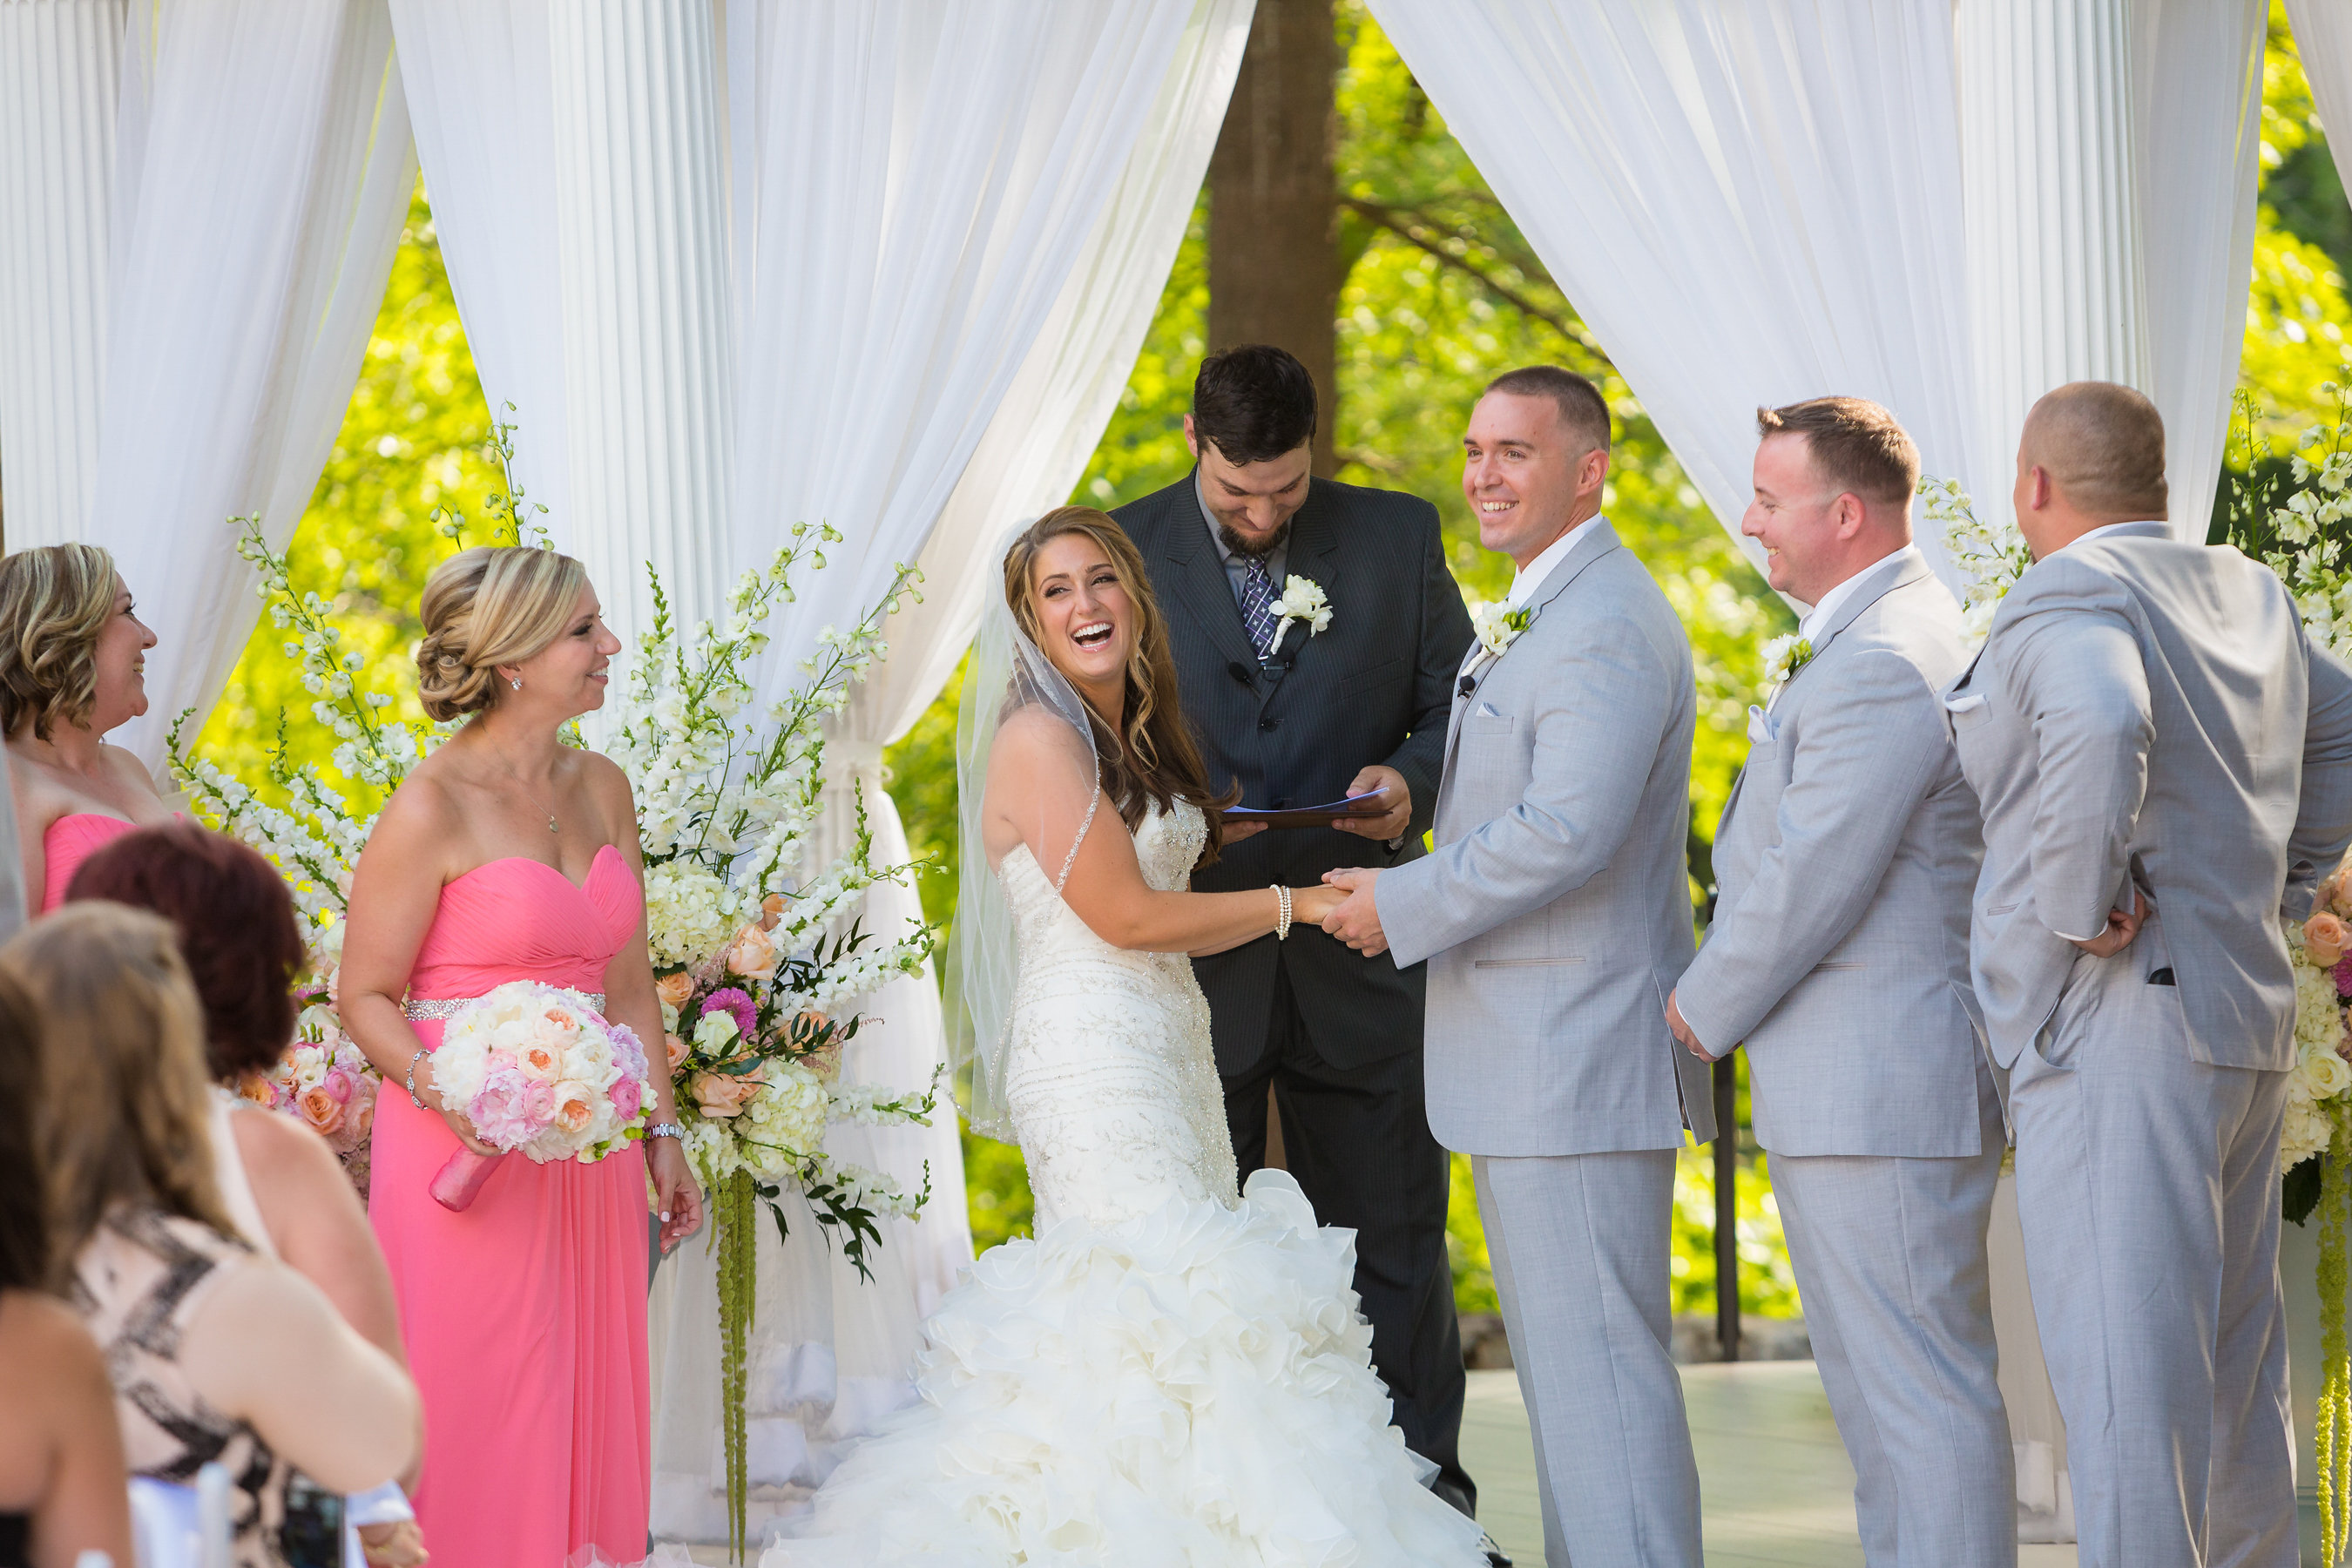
x: 492, y: 605
x: 1150, y: 757
x: 54, y: 602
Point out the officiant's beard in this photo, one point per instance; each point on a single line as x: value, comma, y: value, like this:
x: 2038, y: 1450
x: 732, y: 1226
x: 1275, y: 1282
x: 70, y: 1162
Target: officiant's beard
x: 1239, y: 546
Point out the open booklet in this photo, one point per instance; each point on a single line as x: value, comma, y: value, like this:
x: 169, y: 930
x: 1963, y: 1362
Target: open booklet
x: 1373, y: 803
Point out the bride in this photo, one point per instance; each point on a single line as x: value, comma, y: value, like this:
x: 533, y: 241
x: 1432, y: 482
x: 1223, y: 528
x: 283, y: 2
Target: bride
x: 1172, y: 1373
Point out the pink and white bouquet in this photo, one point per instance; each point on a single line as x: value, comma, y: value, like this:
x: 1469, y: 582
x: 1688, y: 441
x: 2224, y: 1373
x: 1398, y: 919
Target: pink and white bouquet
x: 323, y: 1082
x: 538, y: 1071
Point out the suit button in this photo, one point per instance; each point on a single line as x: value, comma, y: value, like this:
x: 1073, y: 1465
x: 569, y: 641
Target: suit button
x: 1269, y: 723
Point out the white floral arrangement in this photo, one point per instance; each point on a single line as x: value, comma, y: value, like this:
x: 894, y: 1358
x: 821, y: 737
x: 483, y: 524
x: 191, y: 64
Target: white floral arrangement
x: 1783, y: 656
x: 1990, y: 559
x: 1303, y: 600
x: 1498, y: 625
x: 724, y: 809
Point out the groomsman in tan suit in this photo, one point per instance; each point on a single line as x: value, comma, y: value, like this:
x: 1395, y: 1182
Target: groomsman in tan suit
x: 1839, y: 957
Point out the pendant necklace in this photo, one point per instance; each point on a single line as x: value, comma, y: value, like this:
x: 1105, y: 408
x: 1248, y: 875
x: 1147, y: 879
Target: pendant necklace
x: 552, y: 825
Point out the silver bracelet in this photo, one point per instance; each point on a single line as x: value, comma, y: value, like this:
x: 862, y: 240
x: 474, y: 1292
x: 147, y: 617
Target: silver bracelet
x: 664, y: 1129
x: 413, y: 1097
x: 1282, y: 912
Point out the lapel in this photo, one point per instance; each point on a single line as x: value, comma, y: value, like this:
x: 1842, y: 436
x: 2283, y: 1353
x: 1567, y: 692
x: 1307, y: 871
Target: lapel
x: 1198, y: 577
x: 1896, y: 576
x: 1590, y: 549
x: 1314, y: 554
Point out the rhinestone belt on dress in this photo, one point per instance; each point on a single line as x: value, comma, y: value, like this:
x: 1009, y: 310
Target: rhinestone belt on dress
x: 450, y: 1006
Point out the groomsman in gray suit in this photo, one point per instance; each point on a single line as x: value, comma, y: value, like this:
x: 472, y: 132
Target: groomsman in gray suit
x: 1554, y: 917
x: 2159, y: 752
x: 1839, y: 957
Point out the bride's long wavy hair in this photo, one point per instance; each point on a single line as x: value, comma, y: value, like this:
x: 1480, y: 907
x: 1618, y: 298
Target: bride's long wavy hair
x: 1150, y: 754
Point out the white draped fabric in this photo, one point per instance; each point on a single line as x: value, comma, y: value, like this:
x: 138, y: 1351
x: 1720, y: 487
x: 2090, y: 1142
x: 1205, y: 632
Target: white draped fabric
x: 260, y: 170
x: 1747, y: 203
x: 2323, y: 36
x: 61, y: 75
x: 952, y: 222
x: 480, y: 92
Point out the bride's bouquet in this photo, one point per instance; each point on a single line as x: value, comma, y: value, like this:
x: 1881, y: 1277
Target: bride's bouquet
x: 538, y: 1072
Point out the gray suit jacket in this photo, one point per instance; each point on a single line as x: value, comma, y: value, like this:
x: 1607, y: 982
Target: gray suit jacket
x: 1555, y: 912
x: 2149, y: 712
x: 1839, y: 953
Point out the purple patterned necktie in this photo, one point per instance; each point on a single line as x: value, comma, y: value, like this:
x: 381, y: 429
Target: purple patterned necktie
x: 1258, y: 604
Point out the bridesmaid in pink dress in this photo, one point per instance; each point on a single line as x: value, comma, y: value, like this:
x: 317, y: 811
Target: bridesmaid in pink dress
x: 73, y: 660
x: 508, y: 855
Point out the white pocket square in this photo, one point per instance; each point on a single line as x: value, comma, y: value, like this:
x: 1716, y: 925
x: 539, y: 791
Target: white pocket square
x: 1762, y: 726
x: 1489, y: 711
x: 1967, y: 702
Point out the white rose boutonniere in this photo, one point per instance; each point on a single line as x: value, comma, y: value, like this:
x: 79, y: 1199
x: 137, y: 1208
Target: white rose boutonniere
x: 1302, y: 600
x: 1784, y: 656
x: 1498, y: 626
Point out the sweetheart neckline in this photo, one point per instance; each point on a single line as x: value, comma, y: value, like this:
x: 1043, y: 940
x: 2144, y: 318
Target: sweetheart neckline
x: 91, y: 815
x: 579, y: 886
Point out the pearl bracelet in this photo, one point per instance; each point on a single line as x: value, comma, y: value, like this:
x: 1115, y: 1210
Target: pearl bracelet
x: 1282, y: 912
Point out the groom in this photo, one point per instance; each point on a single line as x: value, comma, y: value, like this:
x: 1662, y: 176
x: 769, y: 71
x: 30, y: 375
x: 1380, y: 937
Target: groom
x: 1301, y: 717
x: 1555, y: 916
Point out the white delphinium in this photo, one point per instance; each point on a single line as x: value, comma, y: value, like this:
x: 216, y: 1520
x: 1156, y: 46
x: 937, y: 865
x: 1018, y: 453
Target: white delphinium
x: 1989, y: 560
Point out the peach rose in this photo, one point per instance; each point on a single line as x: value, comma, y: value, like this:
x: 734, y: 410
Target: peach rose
x: 322, y: 1111
x: 252, y: 1086
x: 771, y: 910
x: 573, y: 1107
x: 535, y: 1061
x: 675, y: 989
x: 2325, y: 937
x: 719, y: 1095
x: 677, y: 1048
x: 751, y: 954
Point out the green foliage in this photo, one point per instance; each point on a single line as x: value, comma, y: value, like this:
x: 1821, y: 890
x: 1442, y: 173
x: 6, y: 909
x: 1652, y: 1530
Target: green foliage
x: 997, y: 1191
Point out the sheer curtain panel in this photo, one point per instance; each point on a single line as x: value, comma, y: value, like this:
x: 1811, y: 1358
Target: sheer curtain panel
x: 262, y: 169
x: 60, y: 72
x: 1748, y: 201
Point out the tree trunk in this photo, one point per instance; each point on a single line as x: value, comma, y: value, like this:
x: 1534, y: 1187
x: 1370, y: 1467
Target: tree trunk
x: 1274, y: 201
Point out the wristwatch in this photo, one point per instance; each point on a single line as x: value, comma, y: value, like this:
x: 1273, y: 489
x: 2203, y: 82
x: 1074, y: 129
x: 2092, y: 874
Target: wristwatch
x: 666, y: 1130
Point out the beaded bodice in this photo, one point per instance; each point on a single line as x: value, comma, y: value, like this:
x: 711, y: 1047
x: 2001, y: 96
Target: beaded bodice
x: 1109, y: 1076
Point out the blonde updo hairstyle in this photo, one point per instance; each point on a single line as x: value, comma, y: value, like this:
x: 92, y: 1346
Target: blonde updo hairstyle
x: 493, y: 605
x: 54, y: 602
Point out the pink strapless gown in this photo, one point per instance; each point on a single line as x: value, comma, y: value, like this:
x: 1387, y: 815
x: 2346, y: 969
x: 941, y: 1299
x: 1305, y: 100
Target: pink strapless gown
x: 69, y: 841
x: 525, y: 1315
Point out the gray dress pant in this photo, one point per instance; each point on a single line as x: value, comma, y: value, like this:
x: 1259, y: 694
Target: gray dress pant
x: 1579, y: 1245
x: 2147, y: 1191
x: 1889, y: 1253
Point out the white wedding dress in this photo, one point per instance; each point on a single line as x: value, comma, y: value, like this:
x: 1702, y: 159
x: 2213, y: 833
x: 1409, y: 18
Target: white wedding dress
x: 1172, y: 1374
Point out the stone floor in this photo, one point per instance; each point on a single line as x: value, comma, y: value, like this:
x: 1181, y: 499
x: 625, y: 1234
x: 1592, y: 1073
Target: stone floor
x: 1774, y: 1480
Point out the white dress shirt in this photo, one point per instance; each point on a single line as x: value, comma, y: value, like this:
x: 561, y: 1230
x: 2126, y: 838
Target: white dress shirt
x: 1529, y: 578
x: 1819, y: 614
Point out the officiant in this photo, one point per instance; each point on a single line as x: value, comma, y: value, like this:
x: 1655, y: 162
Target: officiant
x: 1317, y: 633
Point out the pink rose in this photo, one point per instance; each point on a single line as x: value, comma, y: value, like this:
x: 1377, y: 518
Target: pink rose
x: 321, y: 1110
x: 2325, y: 937
x: 676, y: 989
x: 751, y: 954
x: 342, y: 1083
x: 626, y: 1095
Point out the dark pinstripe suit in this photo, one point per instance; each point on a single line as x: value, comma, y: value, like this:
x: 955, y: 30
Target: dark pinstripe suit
x: 1338, y: 1036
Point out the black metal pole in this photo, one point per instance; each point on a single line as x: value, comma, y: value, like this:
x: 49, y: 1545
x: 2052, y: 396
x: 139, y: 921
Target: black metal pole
x: 1726, y: 1213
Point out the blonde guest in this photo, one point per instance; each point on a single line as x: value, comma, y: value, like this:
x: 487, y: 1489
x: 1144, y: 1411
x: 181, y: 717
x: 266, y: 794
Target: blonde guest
x: 217, y: 1354
x: 73, y: 660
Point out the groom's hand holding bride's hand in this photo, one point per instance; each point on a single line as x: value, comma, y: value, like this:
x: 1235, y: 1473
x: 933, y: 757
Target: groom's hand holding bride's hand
x: 1356, y: 920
